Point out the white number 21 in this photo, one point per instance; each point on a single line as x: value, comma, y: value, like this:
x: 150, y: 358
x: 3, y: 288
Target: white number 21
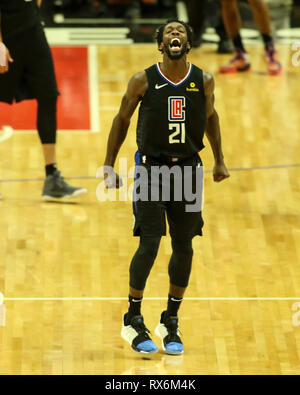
x: 178, y: 136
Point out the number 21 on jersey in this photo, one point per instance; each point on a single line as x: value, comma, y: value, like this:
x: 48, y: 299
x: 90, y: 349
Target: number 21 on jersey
x: 176, y: 112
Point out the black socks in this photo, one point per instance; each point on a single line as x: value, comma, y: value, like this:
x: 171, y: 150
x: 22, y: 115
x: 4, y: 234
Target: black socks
x: 134, y: 306
x: 268, y: 40
x: 238, y: 43
x: 50, y: 169
x: 173, y: 306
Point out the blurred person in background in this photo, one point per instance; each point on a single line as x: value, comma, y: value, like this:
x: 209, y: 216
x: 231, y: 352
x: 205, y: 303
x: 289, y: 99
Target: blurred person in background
x: 27, y: 72
x: 197, y: 13
x: 135, y: 7
x: 232, y: 19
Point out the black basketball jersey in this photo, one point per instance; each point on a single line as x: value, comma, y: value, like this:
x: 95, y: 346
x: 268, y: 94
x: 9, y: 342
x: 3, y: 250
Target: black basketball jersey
x: 17, y: 16
x: 172, y: 117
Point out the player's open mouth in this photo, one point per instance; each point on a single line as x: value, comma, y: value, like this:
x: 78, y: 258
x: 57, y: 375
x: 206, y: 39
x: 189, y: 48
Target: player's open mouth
x: 175, y: 45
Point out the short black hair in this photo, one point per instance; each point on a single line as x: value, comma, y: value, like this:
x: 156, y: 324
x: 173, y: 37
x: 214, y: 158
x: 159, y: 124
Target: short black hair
x: 160, y: 31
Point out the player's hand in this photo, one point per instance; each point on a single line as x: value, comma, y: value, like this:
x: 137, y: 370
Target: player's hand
x: 5, y: 59
x: 220, y: 172
x: 112, y: 179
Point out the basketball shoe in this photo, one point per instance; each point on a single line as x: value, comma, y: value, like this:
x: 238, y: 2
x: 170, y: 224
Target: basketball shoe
x: 273, y: 65
x: 168, y: 331
x: 55, y: 187
x: 135, y: 333
x: 240, y: 62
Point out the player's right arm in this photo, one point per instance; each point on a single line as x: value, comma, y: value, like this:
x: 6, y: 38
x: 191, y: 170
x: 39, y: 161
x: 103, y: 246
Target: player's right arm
x: 5, y: 57
x: 136, y: 89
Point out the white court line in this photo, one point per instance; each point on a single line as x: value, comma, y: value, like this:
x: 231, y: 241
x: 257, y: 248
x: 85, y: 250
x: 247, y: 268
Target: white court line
x: 87, y: 299
x: 7, y: 133
x: 94, y: 88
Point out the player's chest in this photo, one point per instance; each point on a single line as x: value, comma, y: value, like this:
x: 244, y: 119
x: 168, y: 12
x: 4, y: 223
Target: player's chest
x: 174, y: 100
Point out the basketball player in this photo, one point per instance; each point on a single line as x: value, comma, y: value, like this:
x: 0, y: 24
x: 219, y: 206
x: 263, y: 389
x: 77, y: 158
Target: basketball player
x: 232, y: 20
x: 27, y: 72
x: 177, y: 106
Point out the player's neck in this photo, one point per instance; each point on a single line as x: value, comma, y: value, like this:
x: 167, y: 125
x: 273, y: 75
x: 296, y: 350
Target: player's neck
x: 175, y: 70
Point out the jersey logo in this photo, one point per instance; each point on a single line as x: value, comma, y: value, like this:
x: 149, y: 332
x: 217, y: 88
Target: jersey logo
x: 176, y: 108
x: 160, y: 86
x: 192, y: 88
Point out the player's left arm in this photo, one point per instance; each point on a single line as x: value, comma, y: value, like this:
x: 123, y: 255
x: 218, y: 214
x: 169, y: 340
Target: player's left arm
x: 213, y: 131
x: 39, y: 2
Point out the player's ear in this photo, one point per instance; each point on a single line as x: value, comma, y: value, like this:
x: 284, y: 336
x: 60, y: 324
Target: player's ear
x: 161, y: 47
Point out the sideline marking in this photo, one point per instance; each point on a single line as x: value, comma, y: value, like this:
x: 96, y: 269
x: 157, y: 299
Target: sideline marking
x: 7, y: 133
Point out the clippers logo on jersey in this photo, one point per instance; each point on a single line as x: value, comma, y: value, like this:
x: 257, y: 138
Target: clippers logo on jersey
x: 176, y: 108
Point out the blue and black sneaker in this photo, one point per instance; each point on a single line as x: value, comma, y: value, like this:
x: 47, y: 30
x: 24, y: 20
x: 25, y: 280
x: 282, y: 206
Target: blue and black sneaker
x: 135, y: 333
x: 168, y: 331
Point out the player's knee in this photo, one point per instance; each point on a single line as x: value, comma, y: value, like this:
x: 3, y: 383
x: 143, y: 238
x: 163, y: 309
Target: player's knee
x: 183, y: 248
x: 181, y: 262
x: 149, y: 247
x: 143, y: 261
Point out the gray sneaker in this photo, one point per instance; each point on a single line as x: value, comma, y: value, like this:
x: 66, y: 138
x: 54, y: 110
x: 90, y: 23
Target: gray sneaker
x: 55, y: 187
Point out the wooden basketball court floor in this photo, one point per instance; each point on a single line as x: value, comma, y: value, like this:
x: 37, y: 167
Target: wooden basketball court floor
x: 64, y: 266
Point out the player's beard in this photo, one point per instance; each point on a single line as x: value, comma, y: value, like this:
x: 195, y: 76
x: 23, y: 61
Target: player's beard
x: 177, y: 56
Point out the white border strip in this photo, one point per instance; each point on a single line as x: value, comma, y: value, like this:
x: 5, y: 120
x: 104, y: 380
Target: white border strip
x: 94, y: 88
x: 7, y: 133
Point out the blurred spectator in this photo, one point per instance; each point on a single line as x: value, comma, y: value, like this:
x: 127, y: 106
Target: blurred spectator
x: 197, y: 12
x: 97, y: 7
x: 233, y: 23
x: 134, y: 10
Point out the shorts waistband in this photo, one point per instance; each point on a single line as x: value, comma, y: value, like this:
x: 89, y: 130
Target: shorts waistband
x: 167, y: 160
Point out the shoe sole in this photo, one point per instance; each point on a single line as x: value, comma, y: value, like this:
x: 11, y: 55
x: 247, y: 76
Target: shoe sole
x: 275, y: 72
x: 128, y: 334
x: 161, y: 332
x: 74, y: 194
x: 234, y: 70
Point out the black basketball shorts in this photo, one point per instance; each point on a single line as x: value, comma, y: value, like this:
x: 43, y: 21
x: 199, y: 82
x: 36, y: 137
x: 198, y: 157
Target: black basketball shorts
x: 168, y: 190
x: 31, y: 75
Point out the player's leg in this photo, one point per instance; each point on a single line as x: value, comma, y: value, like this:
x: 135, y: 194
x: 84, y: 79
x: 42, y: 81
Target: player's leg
x: 179, y: 272
x: 197, y: 15
x: 54, y: 187
x: 233, y: 24
x: 41, y: 81
x: 150, y: 226
x: 261, y: 15
x: 225, y: 44
x: 185, y: 222
x: 134, y: 330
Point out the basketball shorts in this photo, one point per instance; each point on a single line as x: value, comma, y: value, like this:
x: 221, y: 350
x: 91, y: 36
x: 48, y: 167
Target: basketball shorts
x: 168, y: 190
x: 31, y: 75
